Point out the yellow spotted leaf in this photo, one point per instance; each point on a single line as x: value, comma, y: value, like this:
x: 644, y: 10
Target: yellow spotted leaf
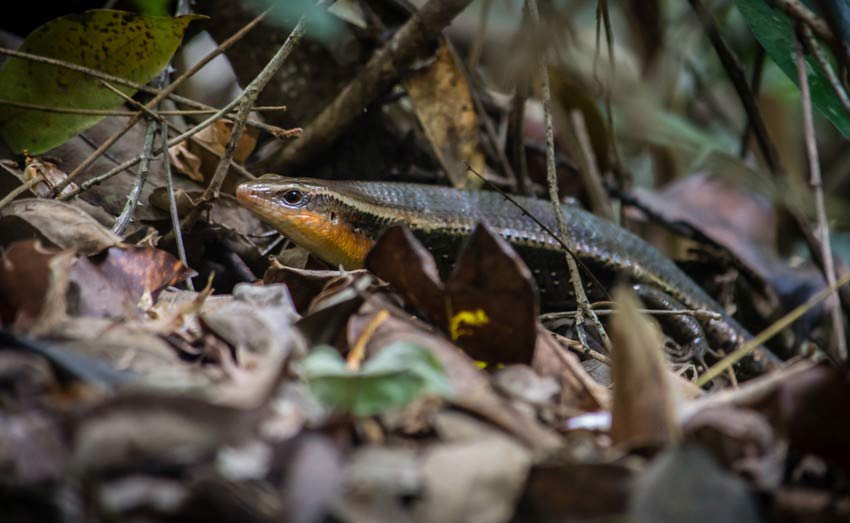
x: 128, y: 45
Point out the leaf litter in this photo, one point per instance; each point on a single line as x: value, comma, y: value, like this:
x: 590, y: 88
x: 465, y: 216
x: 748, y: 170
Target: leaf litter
x: 286, y: 390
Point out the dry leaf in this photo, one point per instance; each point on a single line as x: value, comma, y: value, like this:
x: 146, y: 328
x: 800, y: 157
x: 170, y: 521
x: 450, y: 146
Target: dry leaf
x: 443, y: 104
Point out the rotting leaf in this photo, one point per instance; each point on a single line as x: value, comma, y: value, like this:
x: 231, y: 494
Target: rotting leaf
x: 443, y: 104
x: 59, y: 223
x: 132, y: 46
x: 113, y: 283
x: 399, y: 373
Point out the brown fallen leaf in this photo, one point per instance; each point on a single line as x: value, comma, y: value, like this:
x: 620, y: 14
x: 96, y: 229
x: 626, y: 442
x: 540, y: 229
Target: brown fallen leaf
x: 471, y: 386
x: 643, y: 411
x: 444, y: 106
x: 57, y: 223
x: 488, y: 305
x: 114, y: 282
x: 33, y: 283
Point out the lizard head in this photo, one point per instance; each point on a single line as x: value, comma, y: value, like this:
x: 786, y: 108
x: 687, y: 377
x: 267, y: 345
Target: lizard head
x: 307, y: 213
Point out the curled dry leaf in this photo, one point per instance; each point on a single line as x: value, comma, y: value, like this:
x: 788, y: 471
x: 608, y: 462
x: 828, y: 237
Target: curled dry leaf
x: 50, y: 176
x: 643, y: 411
x: 58, y: 223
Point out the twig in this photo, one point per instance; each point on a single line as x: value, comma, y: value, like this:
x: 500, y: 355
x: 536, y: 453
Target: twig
x: 755, y: 86
x: 119, y: 112
x: 97, y: 180
x: 161, y: 95
x: 129, y: 100
x: 17, y: 191
x: 769, y: 332
x: 567, y: 249
x: 517, y: 118
x: 698, y: 314
x: 248, y: 97
x: 133, y: 198
x: 172, y: 201
x: 577, y: 346
x: 94, y: 73
x: 589, y: 171
x: 582, y: 306
x: 825, y: 66
x: 800, y: 12
x: 739, y: 82
x: 383, y: 68
x: 474, y: 55
x: 820, y: 207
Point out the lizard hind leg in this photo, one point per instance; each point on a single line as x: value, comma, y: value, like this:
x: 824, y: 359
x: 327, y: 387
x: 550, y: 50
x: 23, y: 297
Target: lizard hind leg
x: 684, y: 329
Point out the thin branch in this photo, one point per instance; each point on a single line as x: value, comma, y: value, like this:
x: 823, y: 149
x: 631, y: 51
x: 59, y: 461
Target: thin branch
x: 19, y: 190
x: 119, y: 112
x: 826, y: 67
x: 739, y: 82
x: 133, y: 198
x: 798, y: 11
x: 583, y: 305
x: 172, y: 201
x: 249, y: 96
x: 820, y: 207
x: 161, y: 95
x: 589, y: 171
x: 755, y: 86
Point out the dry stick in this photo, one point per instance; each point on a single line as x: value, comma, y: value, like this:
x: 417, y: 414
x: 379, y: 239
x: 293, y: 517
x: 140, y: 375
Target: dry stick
x: 97, y: 180
x: 755, y: 87
x: 739, y: 82
x: 583, y: 305
x: 161, y: 95
x: 157, y: 116
x: 172, y: 201
x: 820, y: 208
x: 94, y: 73
x: 826, y: 67
x: 589, y: 171
x: 17, y: 191
x: 133, y: 198
x: 248, y: 97
x: 602, y: 8
x: 474, y: 55
x: 800, y: 12
x: 698, y: 314
x: 520, y: 162
x: 769, y: 332
x: 119, y: 112
x: 736, y: 75
x: 382, y: 70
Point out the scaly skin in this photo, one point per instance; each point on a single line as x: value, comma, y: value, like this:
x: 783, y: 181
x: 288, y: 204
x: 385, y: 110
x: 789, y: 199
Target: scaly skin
x: 339, y: 220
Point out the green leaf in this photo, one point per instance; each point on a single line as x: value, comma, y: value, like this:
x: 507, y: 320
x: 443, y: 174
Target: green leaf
x: 775, y: 32
x: 395, y: 376
x: 153, y: 7
x: 132, y: 46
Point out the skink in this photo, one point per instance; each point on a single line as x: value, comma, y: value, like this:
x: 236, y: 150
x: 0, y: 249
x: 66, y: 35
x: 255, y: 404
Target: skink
x: 338, y: 221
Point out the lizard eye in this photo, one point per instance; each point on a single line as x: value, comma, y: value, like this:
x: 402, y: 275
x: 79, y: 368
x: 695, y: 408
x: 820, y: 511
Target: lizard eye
x: 293, y: 197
